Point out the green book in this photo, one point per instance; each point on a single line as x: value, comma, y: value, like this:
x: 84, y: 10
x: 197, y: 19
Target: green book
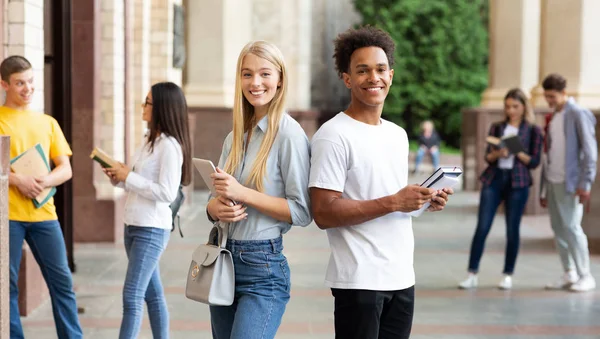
x: 33, y: 162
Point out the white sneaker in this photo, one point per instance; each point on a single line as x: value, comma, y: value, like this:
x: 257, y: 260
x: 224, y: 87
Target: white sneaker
x: 565, y: 281
x: 586, y: 283
x: 470, y: 282
x: 505, y: 283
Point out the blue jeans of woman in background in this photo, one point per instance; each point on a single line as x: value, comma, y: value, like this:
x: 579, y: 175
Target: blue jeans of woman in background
x: 262, y: 291
x: 144, y: 246
x: 514, y: 205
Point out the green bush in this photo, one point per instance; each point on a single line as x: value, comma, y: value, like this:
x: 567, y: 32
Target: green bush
x: 441, y: 59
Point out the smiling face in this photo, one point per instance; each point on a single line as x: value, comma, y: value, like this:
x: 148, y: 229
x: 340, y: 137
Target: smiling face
x: 19, y: 89
x: 260, y: 80
x: 555, y: 99
x: 369, y: 76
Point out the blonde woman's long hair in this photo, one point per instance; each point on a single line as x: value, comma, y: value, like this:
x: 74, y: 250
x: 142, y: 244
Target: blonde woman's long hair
x: 243, y: 114
x: 518, y: 94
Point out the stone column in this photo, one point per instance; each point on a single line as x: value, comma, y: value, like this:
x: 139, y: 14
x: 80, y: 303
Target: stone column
x: 216, y: 32
x: 287, y: 24
x: 161, y: 41
x: 141, y: 67
x: 25, y: 37
x: 112, y: 101
x: 570, y: 46
x: 97, y: 216
x: 4, y: 255
x: 514, y: 48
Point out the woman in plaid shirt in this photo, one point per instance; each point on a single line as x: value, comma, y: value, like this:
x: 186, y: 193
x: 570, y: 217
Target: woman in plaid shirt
x: 507, y: 178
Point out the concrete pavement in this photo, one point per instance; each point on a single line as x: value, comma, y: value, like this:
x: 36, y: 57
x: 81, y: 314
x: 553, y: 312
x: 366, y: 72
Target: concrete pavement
x: 441, y: 254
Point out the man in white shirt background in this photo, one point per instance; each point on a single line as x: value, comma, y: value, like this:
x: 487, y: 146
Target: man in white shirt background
x: 359, y: 194
x: 567, y: 177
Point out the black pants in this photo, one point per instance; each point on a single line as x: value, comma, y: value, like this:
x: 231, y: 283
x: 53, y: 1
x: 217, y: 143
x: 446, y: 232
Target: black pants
x: 364, y: 314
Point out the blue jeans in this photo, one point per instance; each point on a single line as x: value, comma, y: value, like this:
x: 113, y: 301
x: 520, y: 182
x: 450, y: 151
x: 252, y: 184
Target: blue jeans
x: 514, y: 204
x: 144, y: 246
x: 435, y: 157
x: 45, y: 239
x: 262, y: 291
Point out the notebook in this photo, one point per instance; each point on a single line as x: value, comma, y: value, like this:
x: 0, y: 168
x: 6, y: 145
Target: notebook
x: 33, y: 162
x: 443, y: 177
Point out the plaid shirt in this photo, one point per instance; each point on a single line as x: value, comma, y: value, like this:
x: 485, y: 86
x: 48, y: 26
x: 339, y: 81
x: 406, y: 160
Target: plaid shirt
x: 532, y: 140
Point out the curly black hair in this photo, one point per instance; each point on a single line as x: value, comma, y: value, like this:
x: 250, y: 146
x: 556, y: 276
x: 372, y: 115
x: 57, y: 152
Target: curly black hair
x: 351, y: 40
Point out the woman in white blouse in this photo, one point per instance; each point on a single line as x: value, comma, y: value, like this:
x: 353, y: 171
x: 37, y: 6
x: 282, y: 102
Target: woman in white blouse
x: 161, y: 165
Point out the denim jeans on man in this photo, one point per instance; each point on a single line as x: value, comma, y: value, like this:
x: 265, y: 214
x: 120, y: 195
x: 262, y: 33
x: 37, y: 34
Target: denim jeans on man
x: 435, y: 157
x: 514, y: 205
x: 144, y: 246
x: 262, y: 291
x: 45, y: 239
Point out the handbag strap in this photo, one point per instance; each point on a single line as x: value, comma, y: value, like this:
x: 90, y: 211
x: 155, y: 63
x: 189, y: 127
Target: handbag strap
x: 223, y: 234
x: 219, y: 234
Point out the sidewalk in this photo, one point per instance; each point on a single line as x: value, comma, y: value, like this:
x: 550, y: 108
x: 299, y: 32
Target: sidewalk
x: 442, y: 241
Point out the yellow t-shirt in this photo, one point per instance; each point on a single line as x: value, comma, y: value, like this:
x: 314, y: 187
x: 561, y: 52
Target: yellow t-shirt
x: 26, y: 129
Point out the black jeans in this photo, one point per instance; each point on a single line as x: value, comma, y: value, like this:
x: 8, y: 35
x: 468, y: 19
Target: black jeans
x: 515, y: 200
x: 365, y: 314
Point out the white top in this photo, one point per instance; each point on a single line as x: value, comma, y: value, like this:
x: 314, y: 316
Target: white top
x: 508, y: 162
x: 556, y: 153
x: 152, y: 184
x: 365, y: 162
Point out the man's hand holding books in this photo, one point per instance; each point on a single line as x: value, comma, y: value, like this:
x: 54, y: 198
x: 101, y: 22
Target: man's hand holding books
x: 30, y: 186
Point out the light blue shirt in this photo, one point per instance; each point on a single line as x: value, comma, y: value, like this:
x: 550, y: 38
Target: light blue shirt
x: 288, y: 168
x: 581, y: 149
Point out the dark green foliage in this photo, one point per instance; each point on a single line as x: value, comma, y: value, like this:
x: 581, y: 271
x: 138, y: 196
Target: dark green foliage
x: 441, y: 59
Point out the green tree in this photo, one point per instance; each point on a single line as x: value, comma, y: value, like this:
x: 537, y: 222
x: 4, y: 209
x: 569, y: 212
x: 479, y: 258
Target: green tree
x: 441, y: 59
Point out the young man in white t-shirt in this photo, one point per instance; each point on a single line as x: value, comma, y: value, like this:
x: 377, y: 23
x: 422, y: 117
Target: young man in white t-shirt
x: 359, y: 194
x: 567, y: 177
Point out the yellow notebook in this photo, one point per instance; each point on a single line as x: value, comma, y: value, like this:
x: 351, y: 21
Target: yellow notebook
x: 102, y: 158
x: 33, y: 162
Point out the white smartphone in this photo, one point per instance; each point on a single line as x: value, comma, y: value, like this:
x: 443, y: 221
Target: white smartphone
x: 206, y: 168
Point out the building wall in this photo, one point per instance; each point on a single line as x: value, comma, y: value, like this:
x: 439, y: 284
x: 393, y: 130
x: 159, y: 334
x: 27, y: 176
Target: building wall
x: 23, y: 34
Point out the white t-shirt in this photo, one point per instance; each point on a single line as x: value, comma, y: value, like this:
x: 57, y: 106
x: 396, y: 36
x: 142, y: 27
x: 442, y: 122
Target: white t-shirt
x: 365, y: 162
x: 508, y: 162
x: 556, y: 154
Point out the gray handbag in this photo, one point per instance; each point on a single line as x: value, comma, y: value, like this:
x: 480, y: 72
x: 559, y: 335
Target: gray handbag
x: 211, y: 277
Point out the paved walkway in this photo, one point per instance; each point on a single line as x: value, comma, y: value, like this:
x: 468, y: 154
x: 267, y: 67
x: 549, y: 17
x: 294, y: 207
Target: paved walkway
x: 442, y: 311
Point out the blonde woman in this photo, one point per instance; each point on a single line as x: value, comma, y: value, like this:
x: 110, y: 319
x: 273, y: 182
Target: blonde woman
x: 264, y: 167
x: 507, y: 178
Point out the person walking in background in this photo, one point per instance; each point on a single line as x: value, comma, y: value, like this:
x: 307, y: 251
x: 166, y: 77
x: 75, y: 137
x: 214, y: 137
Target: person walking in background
x: 38, y: 226
x: 429, y: 143
x: 264, y: 168
x: 360, y: 196
x: 507, y: 178
x: 567, y: 177
x: 160, y: 167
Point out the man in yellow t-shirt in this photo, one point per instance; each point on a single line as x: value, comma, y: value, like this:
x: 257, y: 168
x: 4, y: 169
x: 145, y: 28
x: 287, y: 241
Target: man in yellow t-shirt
x: 38, y: 226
